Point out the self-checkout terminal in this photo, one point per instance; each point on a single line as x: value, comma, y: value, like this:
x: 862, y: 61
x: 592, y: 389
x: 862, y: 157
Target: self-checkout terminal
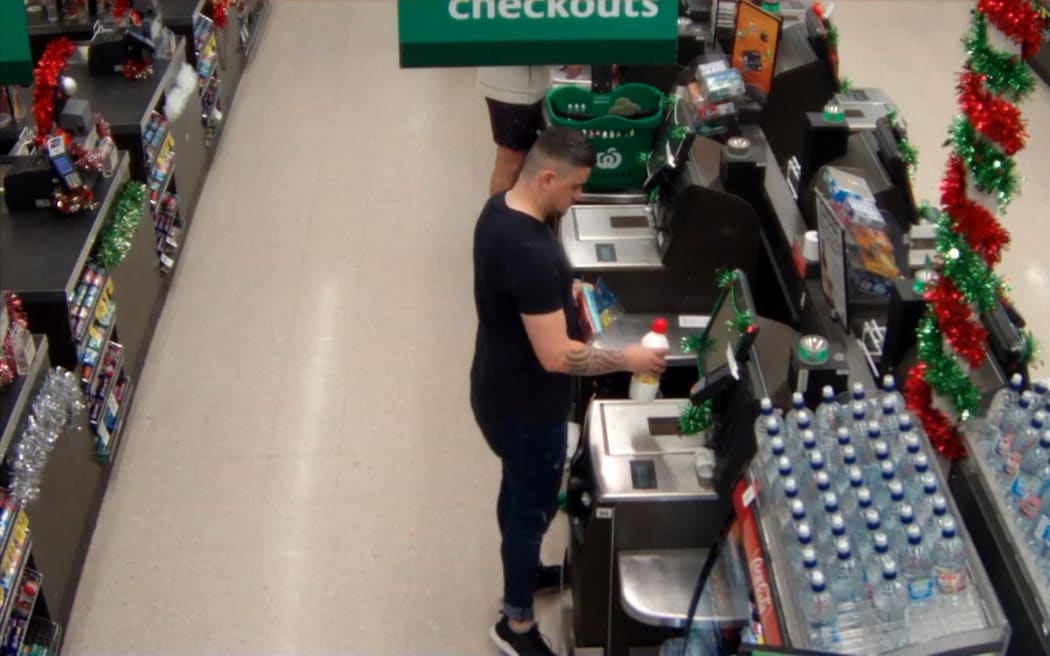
x: 647, y: 503
x: 662, y: 255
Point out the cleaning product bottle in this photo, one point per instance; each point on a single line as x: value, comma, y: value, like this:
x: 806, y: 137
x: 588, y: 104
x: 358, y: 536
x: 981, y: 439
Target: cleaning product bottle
x: 643, y: 386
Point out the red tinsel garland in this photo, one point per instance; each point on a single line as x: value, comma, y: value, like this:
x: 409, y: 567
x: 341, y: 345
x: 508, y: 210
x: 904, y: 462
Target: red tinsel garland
x: 45, y: 79
x: 996, y: 118
x: 1017, y: 19
x: 918, y: 396
x: 975, y: 222
x: 220, y: 12
x: 958, y: 322
x: 120, y: 7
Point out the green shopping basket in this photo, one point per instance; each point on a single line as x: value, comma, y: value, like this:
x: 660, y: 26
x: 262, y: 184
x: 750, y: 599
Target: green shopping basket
x: 620, y: 125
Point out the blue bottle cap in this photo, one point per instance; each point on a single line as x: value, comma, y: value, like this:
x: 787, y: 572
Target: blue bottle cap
x: 1026, y: 400
x: 804, y: 533
x: 882, y: 450
x: 790, y: 487
x: 1016, y: 382
x: 784, y: 466
x: 858, y: 411
x: 948, y: 528
x: 929, y: 483
x: 1038, y: 419
x: 856, y: 476
x: 772, y: 427
x: 766, y: 404
x: 838, y: 524
x: 889, y: 405
x: 809, y: 439
x: 849, y: 455
x: 874, y: 432
x: 831, y: 502
x: 816, y: 460
x: 809, y: 557
x: 940, y: 505
x: 798, y: 510
x: 1040, y: 387
x: 887, y: 470
x: 896, y: 490
x: 803, y: 419
x: 904, y: 421
x: 777, y: 446
x: 907, y: 514
x: 823, y: 481
x: 921, y: 462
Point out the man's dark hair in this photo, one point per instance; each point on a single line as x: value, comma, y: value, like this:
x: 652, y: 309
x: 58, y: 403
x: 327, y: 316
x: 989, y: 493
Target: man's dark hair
x: 561, y: 147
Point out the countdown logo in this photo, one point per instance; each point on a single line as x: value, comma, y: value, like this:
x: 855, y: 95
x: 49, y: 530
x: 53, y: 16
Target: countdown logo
x: 540, y: 9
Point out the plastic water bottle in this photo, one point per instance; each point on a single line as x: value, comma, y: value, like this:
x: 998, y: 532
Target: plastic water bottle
x: 938, y: 513
x: 777, y: 450
x: 1031, y: 435
x: 924, y: 498
x: 887, y: 474
x: 791, y: 514
x: 821, y: 486
x: 842, y: 439
x: 892, y: 505
x: 1017, y: 418
x: 873, y: 525
x: 880, y: 554
x: 827, y: 413
x: 889, y: 391
x: 851, y: 481
x: 858, y: 425
x: 803, y: 538
x: 825, y: 526
x: 1040, y: 390
x: 891, y: 598
x: 847, y: 583
x: 810, y: 564
x: 865, y: 447
x: 858, y: 519
x: 917, y: 568
x: 643, y: 386
x: 914, y: 466
x: 908, y: 445
x: 798, y: 405
x: 889, y: 421
x: 766, y: 412
x: 822, y: 612
x: 1005, y: 400
x: 1038, y: 535
x: 857, y: 395
x: 881, y: 453
x: 1026, y: 495
x: 949, y: 564
x: 809, y: 443
x: 789, y: 489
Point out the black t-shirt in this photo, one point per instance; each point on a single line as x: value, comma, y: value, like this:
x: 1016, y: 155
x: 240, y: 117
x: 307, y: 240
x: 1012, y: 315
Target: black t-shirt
x: 519, y: 268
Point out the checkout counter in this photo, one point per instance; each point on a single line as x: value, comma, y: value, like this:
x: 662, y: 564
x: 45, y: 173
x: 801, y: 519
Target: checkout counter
x: 647, y: 505
x: 643, y: 520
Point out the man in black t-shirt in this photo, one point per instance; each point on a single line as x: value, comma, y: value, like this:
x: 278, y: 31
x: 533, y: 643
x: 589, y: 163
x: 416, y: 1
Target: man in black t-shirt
x: 527, y: 347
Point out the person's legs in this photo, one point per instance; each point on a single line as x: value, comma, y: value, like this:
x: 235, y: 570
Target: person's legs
x: 514, y: 129
x: 533, y: 470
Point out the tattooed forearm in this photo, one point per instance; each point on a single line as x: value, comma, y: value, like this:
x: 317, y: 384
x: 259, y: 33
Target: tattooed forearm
x: 585, y: 360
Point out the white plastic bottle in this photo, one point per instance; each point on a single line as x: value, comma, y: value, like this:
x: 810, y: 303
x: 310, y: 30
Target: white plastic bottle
x: 643, y: 386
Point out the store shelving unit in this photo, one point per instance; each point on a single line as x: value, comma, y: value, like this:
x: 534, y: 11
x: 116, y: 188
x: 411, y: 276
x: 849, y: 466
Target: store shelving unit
x: 976, y: 626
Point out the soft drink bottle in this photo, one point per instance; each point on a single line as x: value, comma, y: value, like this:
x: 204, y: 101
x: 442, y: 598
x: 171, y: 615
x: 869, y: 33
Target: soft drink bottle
x: 949, y: 563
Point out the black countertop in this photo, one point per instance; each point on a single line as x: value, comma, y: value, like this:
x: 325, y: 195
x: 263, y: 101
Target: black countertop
x: 16, y: 397
x: 43, y: 252
x: 40, y: 25
x: 179, y: 12
x: 127, y: 104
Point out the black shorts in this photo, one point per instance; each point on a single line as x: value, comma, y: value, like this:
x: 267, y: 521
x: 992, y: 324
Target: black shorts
x: 515, y: 126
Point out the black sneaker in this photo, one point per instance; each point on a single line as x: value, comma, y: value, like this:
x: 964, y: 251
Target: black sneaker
x: 511, y: 643
x: 548, y: 578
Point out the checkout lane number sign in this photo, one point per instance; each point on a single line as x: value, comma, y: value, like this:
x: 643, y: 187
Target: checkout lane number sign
x: 442, y: 33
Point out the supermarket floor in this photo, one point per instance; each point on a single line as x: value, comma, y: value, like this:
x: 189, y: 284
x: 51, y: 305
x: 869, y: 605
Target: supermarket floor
x: 301, y: 473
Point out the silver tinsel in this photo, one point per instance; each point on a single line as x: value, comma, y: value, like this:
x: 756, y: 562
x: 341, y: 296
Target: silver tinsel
x: 56, y: 405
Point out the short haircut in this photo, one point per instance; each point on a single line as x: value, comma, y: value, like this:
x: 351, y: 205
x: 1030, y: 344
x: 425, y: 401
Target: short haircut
x: 562, y: 148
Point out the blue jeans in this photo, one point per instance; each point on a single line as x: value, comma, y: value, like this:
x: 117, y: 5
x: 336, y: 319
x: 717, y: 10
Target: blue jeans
x: 533, y: 460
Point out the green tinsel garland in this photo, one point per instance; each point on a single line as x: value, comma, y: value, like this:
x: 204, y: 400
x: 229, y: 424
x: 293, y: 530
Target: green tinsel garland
x: 845, y: 85
x: 1005, y: 74
x: 992, y: 170
x: 114, y: 241
x: 966, y: 268
x: 696, y: 418
x: 942, y: 371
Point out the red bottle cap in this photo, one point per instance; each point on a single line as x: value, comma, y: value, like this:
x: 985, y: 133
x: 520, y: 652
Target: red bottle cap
x: 660, y: 325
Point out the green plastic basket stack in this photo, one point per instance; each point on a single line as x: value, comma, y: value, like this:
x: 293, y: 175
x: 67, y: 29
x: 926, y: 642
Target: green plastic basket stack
x: 621, y: 126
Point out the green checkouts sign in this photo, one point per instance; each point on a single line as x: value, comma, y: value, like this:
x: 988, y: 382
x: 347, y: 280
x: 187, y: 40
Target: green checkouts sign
x: 438, y: 33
